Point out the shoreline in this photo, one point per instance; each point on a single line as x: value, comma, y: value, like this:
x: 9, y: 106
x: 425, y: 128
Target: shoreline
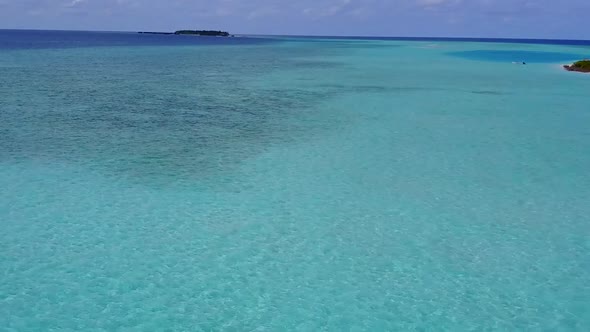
x: 581, y: 66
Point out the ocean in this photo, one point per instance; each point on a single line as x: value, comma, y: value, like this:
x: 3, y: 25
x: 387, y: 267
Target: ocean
x: 179, y: 183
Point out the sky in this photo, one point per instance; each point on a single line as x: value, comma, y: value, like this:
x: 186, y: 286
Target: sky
x: 565, y: 19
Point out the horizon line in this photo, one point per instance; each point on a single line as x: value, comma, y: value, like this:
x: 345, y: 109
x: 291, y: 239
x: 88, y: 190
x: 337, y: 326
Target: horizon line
x: 314, y: 36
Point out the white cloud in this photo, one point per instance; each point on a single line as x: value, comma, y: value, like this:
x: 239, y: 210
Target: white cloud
x: 434, y: 3
x: 330, y: 9
x: 263, y: 12
x: 74, y: 3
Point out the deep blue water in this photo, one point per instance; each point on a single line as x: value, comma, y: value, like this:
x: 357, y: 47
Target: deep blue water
x: 570, y: 42
x: 39, y: 39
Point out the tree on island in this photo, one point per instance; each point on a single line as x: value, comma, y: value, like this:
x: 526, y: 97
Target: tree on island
x: 203, y: 33
x: 581, y: 66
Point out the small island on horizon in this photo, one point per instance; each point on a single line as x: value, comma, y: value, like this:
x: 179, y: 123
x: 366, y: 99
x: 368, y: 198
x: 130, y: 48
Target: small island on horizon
x: 208, y: 33
x: 582, y: 66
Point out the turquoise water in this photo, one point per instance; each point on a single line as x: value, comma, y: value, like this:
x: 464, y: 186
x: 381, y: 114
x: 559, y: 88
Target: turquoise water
x: 319, y: 185
x: 514, y: 56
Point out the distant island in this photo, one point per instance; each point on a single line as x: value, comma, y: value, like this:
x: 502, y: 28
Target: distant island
x: 582, y: 66
x: 209, y: 33
x: 203, y: 33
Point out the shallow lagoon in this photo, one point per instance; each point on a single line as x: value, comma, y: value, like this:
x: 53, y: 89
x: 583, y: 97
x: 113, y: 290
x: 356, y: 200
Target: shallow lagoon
x: 293, y: 185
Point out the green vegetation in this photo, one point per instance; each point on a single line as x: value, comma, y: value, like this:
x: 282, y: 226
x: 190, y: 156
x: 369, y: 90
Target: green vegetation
x: 585, y: 64
x: 581, y: 66
x: 202, y: 33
